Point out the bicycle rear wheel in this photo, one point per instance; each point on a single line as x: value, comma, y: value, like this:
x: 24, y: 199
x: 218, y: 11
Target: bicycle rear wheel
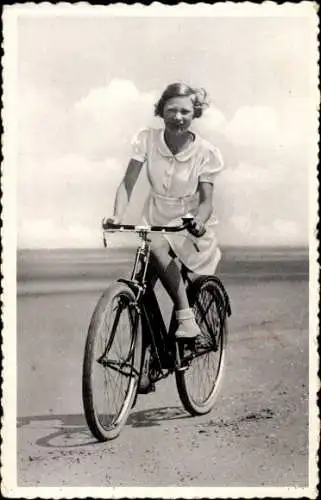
x: 112, y: 362
x: 199, y: 384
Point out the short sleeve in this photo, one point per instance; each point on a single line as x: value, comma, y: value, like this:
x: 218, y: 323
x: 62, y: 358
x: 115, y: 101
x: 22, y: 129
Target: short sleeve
x: 139, y: 145
x: 212, y: 163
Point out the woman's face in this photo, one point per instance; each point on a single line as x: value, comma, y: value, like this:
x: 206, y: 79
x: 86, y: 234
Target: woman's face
x: 178, y: 114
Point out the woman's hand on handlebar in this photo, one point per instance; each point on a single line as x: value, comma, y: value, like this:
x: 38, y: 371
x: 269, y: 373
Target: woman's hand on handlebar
x: 115, y: 219
x: 196, y: 227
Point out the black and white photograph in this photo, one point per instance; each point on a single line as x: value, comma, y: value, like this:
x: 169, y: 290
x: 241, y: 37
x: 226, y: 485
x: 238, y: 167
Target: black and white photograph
x: 160, y: 275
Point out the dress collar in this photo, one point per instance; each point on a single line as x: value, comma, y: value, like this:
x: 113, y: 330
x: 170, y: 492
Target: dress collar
x: 164, y: 150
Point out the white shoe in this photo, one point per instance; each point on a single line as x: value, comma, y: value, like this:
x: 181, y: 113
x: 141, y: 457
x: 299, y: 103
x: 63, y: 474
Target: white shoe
x: 187, y: 326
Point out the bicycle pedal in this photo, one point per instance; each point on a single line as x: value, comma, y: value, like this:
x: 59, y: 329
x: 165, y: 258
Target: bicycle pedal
x: 146, y: 389
x: 185, y: 341
x: 206, y: 344
x: 188, y: 347
x: 190, y: 343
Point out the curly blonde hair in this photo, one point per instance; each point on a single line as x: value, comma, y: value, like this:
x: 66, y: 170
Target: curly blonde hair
x: 199, y: 98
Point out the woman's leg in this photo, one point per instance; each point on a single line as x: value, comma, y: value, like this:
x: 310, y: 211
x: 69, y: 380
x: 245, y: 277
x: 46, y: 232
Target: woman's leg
x: 170, y: 276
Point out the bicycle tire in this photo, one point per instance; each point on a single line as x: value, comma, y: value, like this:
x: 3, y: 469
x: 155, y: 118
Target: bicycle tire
x: 200, y: 401
x: 113, y: 311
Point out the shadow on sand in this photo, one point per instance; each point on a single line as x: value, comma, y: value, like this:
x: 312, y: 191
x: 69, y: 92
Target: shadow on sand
x: 74, y: 427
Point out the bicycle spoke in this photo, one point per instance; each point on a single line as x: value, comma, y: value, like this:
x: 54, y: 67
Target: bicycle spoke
x: 198, y: 383
x: 115, y: 355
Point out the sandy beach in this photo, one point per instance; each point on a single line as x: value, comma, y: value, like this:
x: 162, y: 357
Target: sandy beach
x: 257, y: 434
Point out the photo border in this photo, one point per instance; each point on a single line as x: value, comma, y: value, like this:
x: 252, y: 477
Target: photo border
x: 9, y: 239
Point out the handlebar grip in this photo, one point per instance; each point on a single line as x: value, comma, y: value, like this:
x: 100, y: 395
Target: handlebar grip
x: 108, y: 224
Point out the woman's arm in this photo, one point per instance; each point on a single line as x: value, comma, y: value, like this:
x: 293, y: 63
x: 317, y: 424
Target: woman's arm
x: 126, y: 187
x: 206, y: 201
x: 197, y: 225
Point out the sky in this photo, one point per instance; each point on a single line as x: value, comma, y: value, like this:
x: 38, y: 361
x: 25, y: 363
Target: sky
x: 86, y: 84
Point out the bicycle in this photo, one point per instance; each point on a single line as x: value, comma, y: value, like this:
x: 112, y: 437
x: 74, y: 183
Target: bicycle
x: 128, y: 347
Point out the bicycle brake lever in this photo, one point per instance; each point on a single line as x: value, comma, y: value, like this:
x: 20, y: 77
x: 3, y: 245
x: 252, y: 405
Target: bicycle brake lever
x: 187, y: 218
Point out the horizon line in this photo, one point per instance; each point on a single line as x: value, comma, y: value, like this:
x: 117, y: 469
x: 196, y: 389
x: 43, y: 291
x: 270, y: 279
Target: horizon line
x: 227, y: 246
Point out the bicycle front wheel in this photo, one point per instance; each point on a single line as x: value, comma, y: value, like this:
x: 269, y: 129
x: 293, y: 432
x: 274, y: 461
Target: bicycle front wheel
x: 198, y: 385
x: 112, y: 362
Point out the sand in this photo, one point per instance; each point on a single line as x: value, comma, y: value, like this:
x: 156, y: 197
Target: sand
x: 256, y: 435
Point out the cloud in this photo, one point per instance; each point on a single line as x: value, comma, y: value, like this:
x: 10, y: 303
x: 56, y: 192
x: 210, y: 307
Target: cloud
x: 72, y: 158
x: 241, y: 224
x: 72, y: 186
x: 261, y: 175
x: 67, y: 191
x: 249, y: 231
x: 252, y: 184
x: 38, y: 231
x: 53, y: 233
x: 299, y: 124
x: 62, y: 202
x: 107, y: 118
x: 253, y: 127
x: 261, y: 205
x: 109, y: 99
x: 45, y: 125
x: 211, y: 123
x: 287, y: 228
x: 49, y: 233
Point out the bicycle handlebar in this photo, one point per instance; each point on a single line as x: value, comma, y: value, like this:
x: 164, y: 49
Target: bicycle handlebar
x: 110, y: 226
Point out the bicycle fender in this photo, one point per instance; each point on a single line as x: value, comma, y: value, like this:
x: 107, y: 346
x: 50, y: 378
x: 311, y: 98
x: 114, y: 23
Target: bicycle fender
x: 223, y: 298
x: 133, y: 286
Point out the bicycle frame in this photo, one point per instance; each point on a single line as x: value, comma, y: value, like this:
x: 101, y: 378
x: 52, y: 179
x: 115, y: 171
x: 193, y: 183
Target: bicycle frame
x: 155, y: 333
x: 164, y: 349
x: 127, y: 335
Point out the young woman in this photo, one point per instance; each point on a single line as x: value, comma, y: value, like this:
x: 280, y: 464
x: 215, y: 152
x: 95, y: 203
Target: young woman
x: 181, y: 167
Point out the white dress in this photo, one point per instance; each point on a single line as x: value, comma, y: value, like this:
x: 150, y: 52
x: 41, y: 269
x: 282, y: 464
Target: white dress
x: 174, y: 181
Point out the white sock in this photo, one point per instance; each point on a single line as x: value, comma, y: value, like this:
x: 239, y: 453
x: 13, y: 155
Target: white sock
x: 182, y: 314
